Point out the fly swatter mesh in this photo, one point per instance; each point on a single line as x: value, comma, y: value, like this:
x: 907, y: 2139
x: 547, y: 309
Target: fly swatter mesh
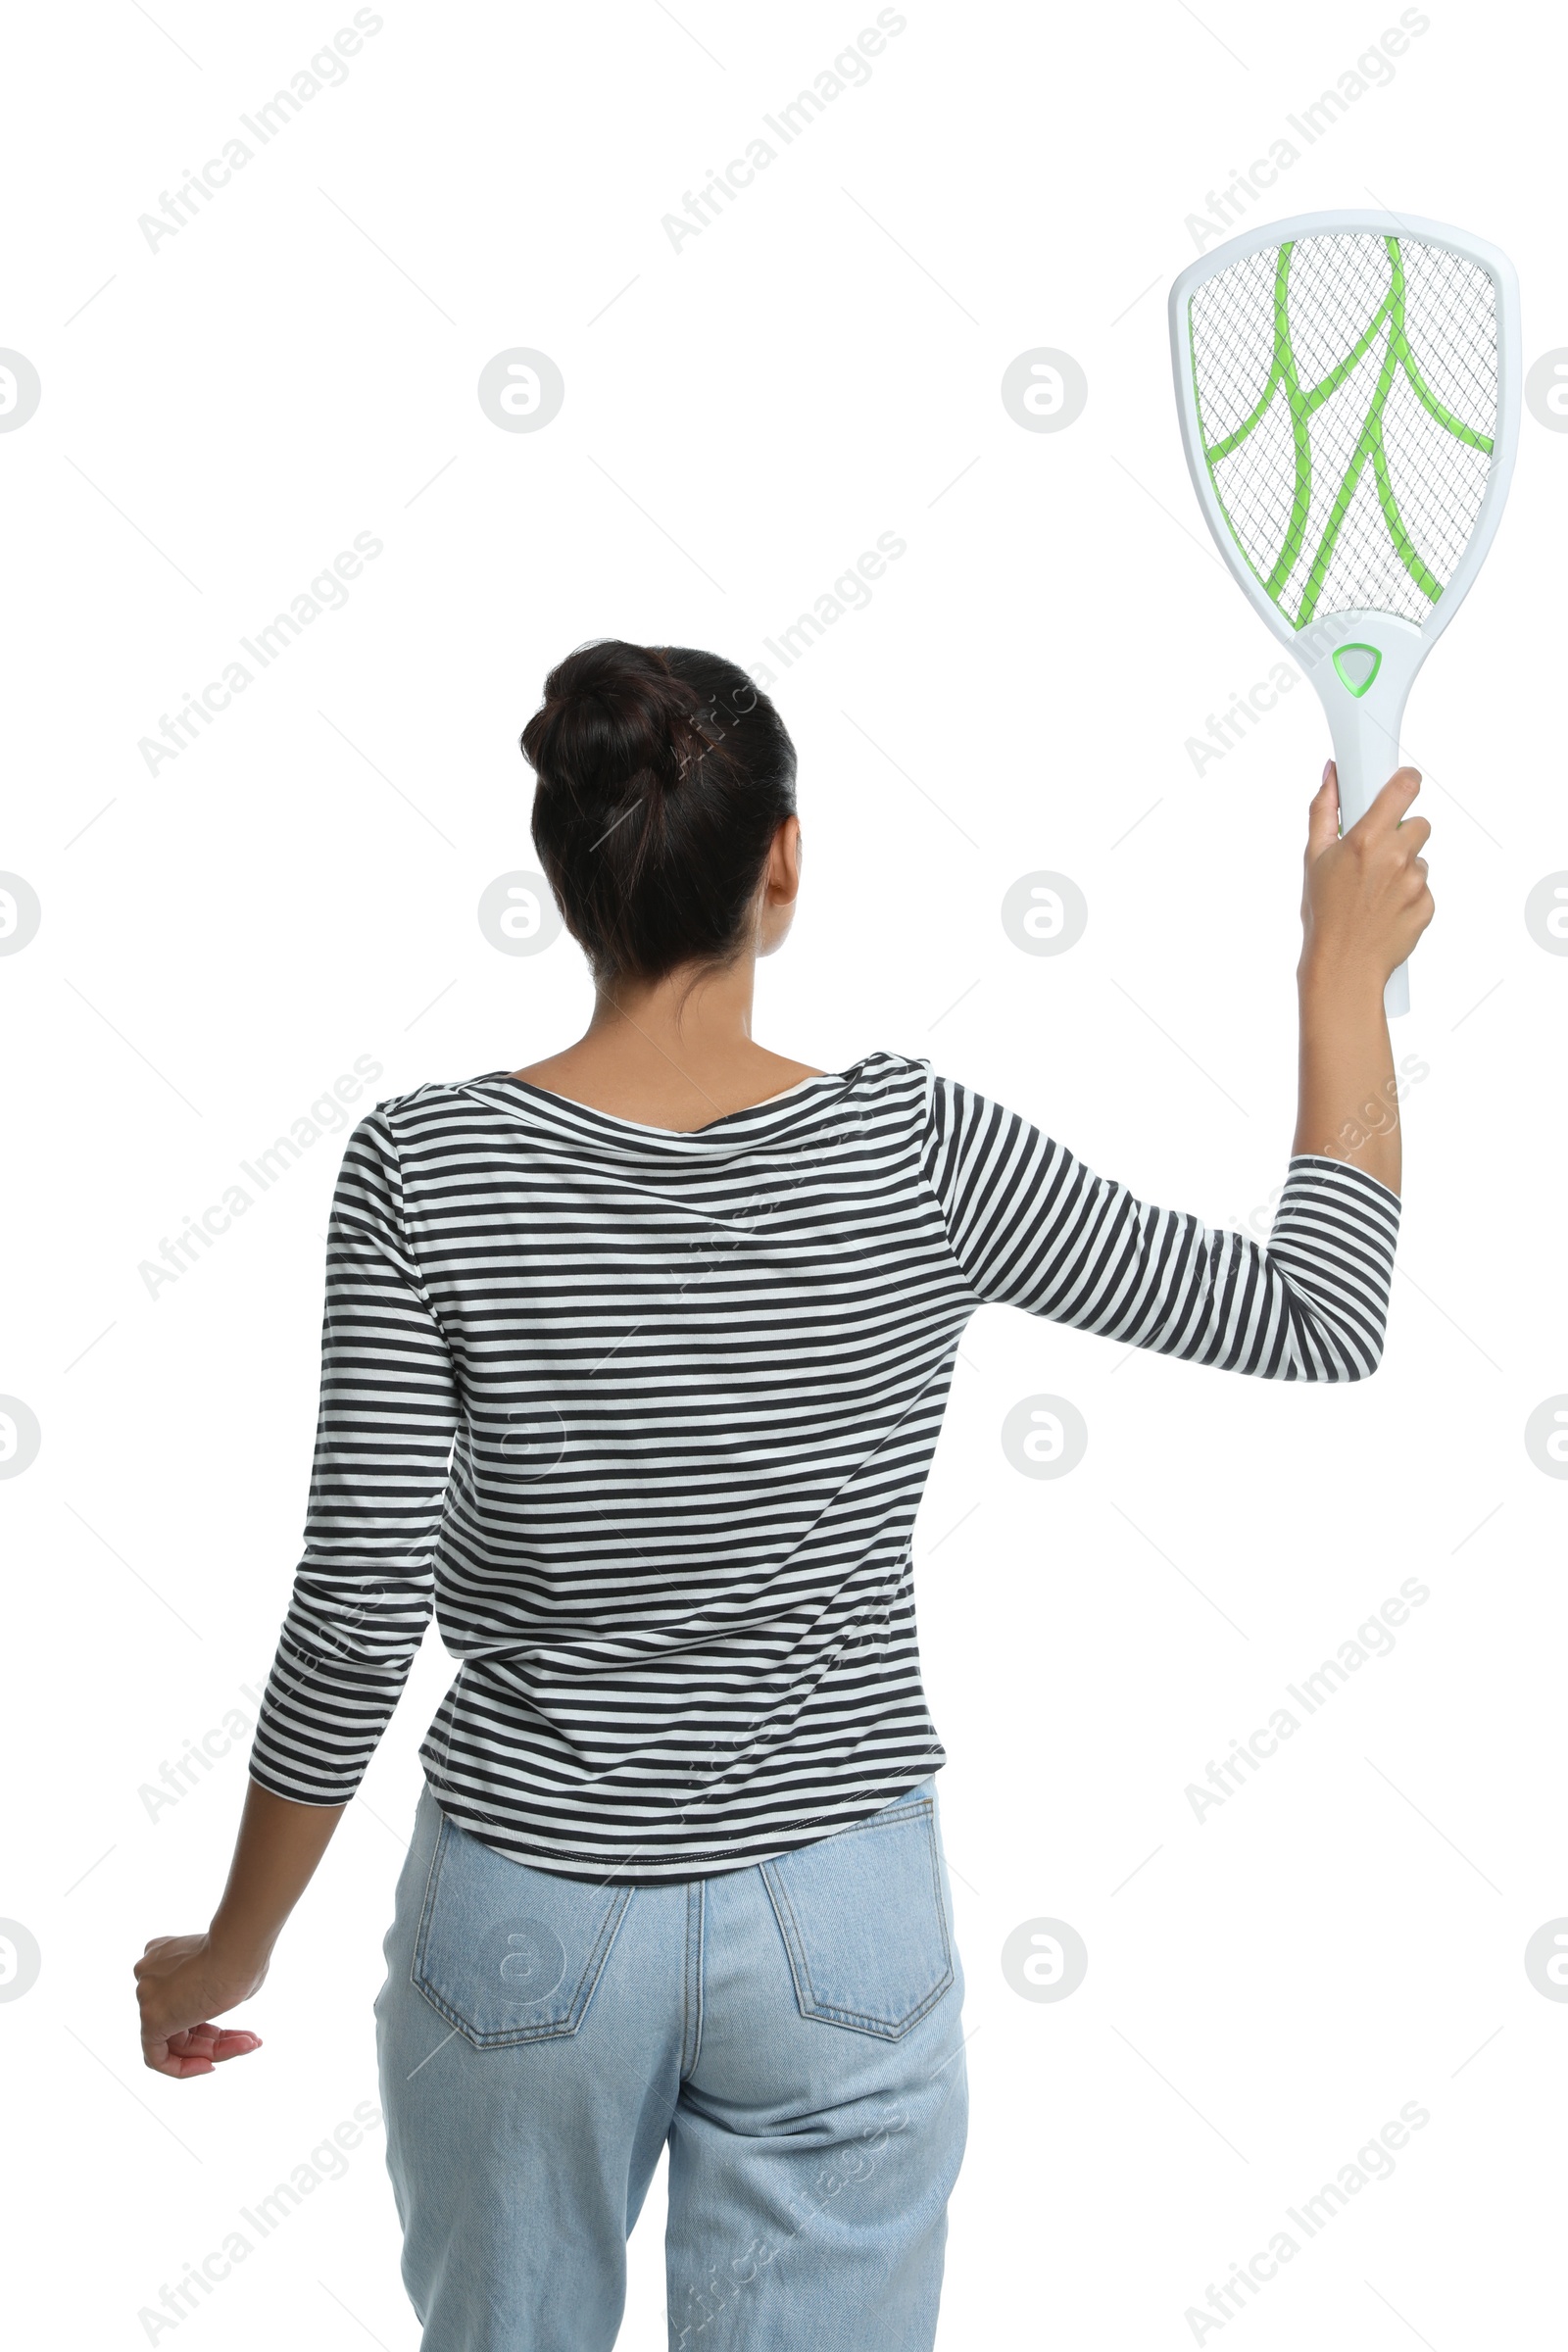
x: 1346, y: 389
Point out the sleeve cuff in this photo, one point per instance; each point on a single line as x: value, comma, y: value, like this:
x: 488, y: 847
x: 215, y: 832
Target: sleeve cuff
x: 1319, y: 1162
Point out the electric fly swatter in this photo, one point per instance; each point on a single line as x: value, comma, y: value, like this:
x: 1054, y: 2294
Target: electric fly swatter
x: 1348, y: 392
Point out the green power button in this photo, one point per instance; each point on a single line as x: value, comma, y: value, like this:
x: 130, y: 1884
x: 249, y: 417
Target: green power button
x: 1357, y: 665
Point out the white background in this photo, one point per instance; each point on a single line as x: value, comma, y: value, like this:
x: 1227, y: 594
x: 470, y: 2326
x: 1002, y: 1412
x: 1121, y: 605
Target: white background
x: 220, y: 940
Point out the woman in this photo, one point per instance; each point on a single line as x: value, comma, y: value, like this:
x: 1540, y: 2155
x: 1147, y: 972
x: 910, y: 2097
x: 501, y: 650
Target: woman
x: 683, y: 1314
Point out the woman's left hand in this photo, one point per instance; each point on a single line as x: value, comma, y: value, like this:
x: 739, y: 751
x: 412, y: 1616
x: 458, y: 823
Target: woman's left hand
x: 181, y: 1984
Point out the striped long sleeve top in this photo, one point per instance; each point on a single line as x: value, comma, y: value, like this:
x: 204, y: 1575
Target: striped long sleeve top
x: 645, y: 1418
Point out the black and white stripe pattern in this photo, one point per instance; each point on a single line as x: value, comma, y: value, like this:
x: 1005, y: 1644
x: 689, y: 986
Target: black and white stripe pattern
x: 690, y: 1386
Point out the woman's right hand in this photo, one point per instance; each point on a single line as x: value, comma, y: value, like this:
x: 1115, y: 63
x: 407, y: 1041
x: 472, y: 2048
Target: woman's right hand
x: 182, y: 1982
x: 1366, y: 901
x: 185, y: 1982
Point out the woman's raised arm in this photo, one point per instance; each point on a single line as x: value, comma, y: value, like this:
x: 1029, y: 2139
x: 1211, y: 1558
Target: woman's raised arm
x: 1364, y: 904
x: 1032, y: 1226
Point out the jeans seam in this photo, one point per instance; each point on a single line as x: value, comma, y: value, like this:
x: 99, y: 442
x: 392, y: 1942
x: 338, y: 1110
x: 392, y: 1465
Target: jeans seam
x: 692, y: 1979
x: 426, y: 1902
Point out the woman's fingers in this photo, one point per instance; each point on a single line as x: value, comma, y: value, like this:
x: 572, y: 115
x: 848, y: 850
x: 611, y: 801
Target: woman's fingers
x: 216, y: 2042
x: 1388, y: 807
x: 166, y: 2059
x: 1323, y: 817
x: 232, y: 2042
x: 197, y: 2049
x: 185, y: 2052
x: 1365, y: 900
x: 196, y: 2040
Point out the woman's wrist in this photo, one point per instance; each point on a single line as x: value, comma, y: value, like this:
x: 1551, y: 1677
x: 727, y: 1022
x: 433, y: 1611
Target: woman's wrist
x: 1339, y: 982
x: 1348, y: 1107
x: 240, y: 1946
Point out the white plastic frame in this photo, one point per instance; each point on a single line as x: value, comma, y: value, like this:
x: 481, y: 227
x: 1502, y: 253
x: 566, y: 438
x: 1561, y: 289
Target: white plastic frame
x: 1364, y: 730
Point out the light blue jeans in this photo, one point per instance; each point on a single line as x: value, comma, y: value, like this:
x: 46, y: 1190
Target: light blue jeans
x: 790, y: 2031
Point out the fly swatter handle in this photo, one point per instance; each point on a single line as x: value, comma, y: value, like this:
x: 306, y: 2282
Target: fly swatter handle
x: 1367, y: 752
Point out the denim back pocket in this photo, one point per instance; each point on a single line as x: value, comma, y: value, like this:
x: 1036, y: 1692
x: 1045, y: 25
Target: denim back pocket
x: 863, y: 1922
x: 509, y: 1954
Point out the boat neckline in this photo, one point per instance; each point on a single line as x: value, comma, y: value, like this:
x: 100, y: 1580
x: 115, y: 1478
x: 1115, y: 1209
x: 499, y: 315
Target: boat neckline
x: 612, y: 1118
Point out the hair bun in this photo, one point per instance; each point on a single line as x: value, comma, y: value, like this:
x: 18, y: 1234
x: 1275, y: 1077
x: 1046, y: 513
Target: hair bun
x: 664, y: 778
x: 614, y: 713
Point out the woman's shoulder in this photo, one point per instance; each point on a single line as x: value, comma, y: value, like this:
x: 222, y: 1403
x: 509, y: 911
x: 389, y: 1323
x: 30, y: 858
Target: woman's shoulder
x: 883, y: 1062
x: 437, y: 1101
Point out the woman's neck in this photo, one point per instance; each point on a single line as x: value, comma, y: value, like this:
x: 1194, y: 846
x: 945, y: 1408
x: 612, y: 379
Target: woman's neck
x: 673, y: 1052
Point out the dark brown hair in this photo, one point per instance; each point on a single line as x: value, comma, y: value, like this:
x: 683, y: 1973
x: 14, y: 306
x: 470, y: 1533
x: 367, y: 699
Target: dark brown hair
x: 664, y: 775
